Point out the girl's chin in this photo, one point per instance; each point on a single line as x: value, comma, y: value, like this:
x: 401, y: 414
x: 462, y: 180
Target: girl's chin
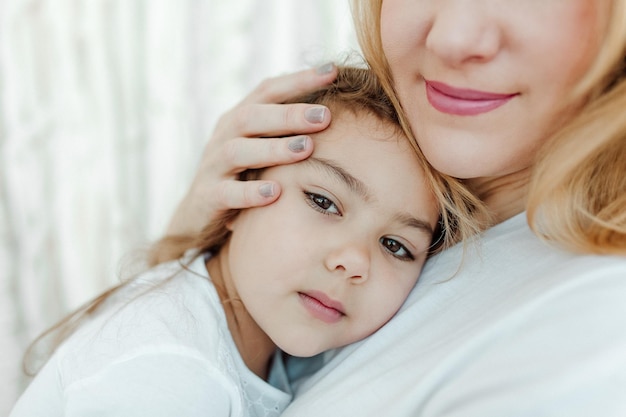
x: 300, y: 347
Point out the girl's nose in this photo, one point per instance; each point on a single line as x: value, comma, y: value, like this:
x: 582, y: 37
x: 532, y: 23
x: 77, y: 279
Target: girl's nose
x: 463, y: 31
x: 351, y: 261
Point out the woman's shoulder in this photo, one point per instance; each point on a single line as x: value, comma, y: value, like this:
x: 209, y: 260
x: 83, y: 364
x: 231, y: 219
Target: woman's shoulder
x: 515, y: 244
x: 511, y: 251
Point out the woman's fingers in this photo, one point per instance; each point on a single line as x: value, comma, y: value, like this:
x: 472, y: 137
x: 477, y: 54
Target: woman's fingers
x: 245, y: 194
x: 252, y: 120
x: 281, y: 88
x: 262, y: 114
x: 258, y: 132
x: 244, y: 153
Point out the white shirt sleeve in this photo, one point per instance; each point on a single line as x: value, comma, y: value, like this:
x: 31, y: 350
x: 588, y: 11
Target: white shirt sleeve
x: 152, y: 385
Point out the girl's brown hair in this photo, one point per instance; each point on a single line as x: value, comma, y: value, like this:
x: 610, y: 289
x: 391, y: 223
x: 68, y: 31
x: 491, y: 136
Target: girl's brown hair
x: 577, y: 194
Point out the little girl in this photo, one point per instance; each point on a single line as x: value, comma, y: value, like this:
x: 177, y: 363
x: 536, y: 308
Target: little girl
x: 326, y: 265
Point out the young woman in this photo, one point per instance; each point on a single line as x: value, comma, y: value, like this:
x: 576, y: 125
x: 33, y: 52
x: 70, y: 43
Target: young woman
x: 325, y: 266
x: 524, y: 101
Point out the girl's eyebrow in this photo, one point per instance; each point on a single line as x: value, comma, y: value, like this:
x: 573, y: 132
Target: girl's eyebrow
x: 360, y: 188
x: 355, y: 184
x: 408, y: 220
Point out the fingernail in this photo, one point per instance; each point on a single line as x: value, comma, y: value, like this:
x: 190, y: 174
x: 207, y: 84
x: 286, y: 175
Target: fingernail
x: 326, y: 68
x: 267, y: 190
x: 315, y: 114
x: 297, y: 144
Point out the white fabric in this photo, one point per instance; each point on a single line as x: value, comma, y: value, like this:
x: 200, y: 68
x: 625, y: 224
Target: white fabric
x: 105, y: 106
x: 523, y: 329
x: 162, y: 348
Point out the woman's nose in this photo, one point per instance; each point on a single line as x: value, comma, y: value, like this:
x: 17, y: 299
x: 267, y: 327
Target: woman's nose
x: 351, y: 261
x: 463, y: 31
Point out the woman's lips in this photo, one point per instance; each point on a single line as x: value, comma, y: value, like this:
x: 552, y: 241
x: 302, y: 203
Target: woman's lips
x: 463, y: 102
x: 322, y: 307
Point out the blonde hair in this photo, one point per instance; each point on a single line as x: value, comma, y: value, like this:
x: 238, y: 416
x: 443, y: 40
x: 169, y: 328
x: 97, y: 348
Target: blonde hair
x: 577, y: 194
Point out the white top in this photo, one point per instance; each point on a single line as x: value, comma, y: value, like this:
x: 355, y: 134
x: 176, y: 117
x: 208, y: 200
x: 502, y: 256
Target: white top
x: 523, y: 329
x: 168, y: 352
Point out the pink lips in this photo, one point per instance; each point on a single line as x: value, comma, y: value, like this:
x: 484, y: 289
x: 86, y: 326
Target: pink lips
x: 463, y: 102
x: 320, y: 306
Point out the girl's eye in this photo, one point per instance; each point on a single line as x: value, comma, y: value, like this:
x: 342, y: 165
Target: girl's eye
x: 397, y: 249
x: 322, y: 204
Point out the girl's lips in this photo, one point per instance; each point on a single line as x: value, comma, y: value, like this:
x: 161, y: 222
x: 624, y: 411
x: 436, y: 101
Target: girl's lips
x: 322, y: 307
x: 463, y: 102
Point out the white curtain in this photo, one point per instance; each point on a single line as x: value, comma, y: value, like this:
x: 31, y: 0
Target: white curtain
x: 105, y: 106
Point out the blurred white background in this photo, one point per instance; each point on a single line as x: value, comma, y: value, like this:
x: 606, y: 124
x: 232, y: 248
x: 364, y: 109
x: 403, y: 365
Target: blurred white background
x: 105, y: 106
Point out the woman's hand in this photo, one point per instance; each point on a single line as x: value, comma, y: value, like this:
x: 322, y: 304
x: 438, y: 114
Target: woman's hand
x: 251, y: 136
